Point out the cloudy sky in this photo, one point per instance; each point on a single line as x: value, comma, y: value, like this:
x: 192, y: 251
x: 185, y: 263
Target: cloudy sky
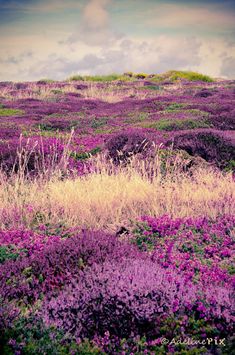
x: 58, y: 38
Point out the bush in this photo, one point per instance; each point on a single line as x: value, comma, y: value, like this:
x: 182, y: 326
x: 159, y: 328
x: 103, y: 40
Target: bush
x: 188, y: 75
x: 175, y: 125
x: 174, y: 75
x: 10, y: 112
x: 213, y: 147
x: 28, y: 335
x: 140, y: 75
x: 110, y: 77
x: 131, y: 297
x: 224, y: 120
x: 122, y: 146
x: 76, y: 78
x: 45, y: 81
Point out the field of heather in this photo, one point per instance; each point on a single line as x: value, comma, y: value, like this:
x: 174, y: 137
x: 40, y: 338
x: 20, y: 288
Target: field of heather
x: 117, y: 224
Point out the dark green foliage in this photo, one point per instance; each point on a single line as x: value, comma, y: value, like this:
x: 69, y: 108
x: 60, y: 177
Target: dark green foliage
x: 85, y: 155
x: 99, y: 122
x: 38, y: 339
x: 45, y: 81
x: 75, y: 78
x: 175, y: 106
x: 7, y: 252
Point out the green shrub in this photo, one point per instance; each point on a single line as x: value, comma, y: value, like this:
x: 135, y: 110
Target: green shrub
x: 99, y: 122
x: 31, y: 336
x: 152, y: 87
x: 110, y: 77
x: 230, y: 166
x: 140, y: 75
x: 174, y: 75
x: 175, y: 106
x: 175, y: 125
x: 46, y: 81
x: 129, y: 74
x: 46, y: 127
x: 76, y: 78
x: 10, y: 112
x: 85, y: 155
x: 188, y: 75
x: 56, y: 91
x: 7, y: 252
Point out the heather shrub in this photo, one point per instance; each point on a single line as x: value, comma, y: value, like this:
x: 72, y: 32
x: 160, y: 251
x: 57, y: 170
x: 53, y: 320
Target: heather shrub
x: 205, y: 93
x: 131, y: 297
x: 224, y: 120
x: 50, y: 263
x: 36, y: 156
x: 123, y: 146
x: 212, y: 147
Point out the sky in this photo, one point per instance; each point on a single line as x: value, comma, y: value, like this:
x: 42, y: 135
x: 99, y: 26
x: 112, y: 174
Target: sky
x: 58, y: 38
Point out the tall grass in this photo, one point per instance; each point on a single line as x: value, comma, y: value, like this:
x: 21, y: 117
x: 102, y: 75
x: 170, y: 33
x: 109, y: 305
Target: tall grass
x: 111, y: 197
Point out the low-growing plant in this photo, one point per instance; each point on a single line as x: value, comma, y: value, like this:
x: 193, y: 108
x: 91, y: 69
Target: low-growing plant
x: 10, y: 112
x: 188, y: 75
x: 45, y: 81
x: 110, y: 77
x: 175, y: 125
x: 140, y: 75
x: 76, y: 77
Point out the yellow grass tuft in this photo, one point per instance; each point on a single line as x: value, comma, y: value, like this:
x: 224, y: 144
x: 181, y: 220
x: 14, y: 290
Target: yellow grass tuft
x: 107, y: 200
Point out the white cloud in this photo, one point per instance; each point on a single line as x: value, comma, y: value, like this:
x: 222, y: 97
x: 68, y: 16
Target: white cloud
x: 228, y: 67
x: 180, y: 15
x: 95, y: 28
x: 41, y: 6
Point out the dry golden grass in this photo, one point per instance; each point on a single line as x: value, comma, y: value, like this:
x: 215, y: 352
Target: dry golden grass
x: 107, y: 201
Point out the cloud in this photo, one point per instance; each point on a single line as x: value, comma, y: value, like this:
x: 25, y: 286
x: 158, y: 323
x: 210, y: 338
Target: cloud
x: 228, y: 67
x: 16, y: 59
x: 157, y: 55
x: 39, y: 5
x: 95, y: 27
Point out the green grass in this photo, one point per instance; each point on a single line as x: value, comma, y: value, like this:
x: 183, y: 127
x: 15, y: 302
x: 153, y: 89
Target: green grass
x: 152, y: 87
x: 104, y: 78
x: 85, y: 155
x: 189, y: 75
x: 101, y: 78
x: 46, y: 81
x: 174, y: 106
x: 10, y: 112
x: 174, y: 75
x: 172, y: 125
x: 75, y: 78
x: 99, y: 122
x: 137, y: 117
